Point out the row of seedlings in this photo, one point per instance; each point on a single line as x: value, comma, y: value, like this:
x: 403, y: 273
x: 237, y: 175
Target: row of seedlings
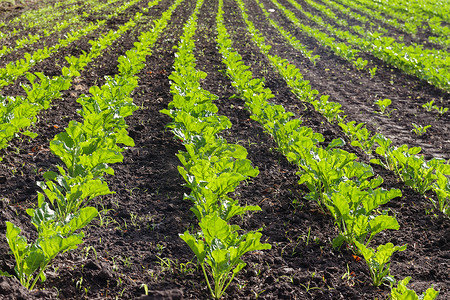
x: 341, y: 49
x: 86, y: 148
x: 33, y: 18
x: 411, y: 17
x: 212, y: 168
x: 18, y: 113
x: 30, y: 39
x: 414, y: 170
x: 430, y: 65
x: 292, y: 40
x: 335, y: 178
x: 15, y: 69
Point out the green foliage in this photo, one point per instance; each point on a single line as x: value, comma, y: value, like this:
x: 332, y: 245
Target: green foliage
x: 442, y: 189
x: 373, y: 72
x: 54, y: 236
x: 219, y: 249
x: 212, y: 168
x: 330, y: 110
x: 86, y: 148
x: 401, y: 292
x: 419, y: 129
x: 360, y: 64
x: 353, y: 209
x: 379, y: 261
x: 383, y: 105
x: 359, y: 136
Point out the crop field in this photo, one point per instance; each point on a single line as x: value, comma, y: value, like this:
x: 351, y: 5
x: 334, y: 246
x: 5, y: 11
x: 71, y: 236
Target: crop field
x: 232, y: 149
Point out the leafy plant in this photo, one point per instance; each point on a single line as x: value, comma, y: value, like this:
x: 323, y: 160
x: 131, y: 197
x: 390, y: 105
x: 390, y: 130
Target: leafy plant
x: 378, y: 261
x: 386, y: 150
x: 54, y: 236
x: 353, y: 209
x: 401, y: 292
x: 441, y: 110
x: 442, y: 189
x: 359, y: 136
x: 330, y: 110
x: 419, y: 129
x: 383, y: 105
x: 429, y: 105
x: 360, y: 64
x: 219, y: 249
x: 373, y: 72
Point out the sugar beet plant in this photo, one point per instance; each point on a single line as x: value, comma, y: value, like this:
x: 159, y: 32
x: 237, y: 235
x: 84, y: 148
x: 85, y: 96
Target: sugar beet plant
x: 86, y: 148
x: 212, y: 168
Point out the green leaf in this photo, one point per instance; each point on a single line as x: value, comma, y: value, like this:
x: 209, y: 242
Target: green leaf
x: 197, y: 246
x: 336, y: 143
x: 83, y: 217
x: 382, y: 222
x: 214, y: 227
x: 338, y: 241
x: 33, y: 261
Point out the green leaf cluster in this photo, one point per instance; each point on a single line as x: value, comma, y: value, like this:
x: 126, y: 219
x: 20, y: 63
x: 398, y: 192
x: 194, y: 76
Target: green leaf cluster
x: 54, y: 236
x: 359, y: 136
x: 402, y: 292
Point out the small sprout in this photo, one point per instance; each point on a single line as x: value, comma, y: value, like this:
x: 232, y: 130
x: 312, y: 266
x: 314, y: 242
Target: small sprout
x: 429, y: 105
x: 419, y: 129
x: 372, y: 72
x: 383, y: 106
x: 441, y: 110
x: 360, y: 64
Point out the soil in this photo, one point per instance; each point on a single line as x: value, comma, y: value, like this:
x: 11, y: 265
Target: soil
x: 134, y: 244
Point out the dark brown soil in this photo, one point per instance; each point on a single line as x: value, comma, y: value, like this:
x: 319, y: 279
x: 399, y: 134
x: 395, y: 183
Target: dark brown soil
x: 135, y: 240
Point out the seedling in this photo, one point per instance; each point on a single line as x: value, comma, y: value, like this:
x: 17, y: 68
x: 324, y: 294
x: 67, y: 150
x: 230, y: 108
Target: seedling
x: 441, y: 110
x: 383, y: 106
x: 360, y: 64
x: 419, y: 129
x: 219, y: 248
x: 359, y: 136
x: 401, y: 292
x: 429, y: 107
x: 379, y: 261
x: 372, y: 72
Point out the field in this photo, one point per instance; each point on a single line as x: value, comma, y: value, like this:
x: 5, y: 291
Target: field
x: 139, y: 126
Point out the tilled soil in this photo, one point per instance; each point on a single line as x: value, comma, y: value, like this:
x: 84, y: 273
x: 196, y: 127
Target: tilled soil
x: 134, y: 244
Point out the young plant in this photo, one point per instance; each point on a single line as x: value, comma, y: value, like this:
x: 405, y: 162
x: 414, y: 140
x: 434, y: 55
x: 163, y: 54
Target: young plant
x: 378, y: 261
x: 418, y: 173
x: 441, y: 110
x: 360, y: 64
x: 429, y: 105
x: 359, y: 136
x: 386, y: 150
x: 442, y: 189
x: 219, y: 248
x: 330, y: 110
x: 54, y: 236
x: 401, y: 292
x: 372, y: 72
x: 322, y: 170
x: 383, y: 105
x: 353, y: 209
x: 419, y: 129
